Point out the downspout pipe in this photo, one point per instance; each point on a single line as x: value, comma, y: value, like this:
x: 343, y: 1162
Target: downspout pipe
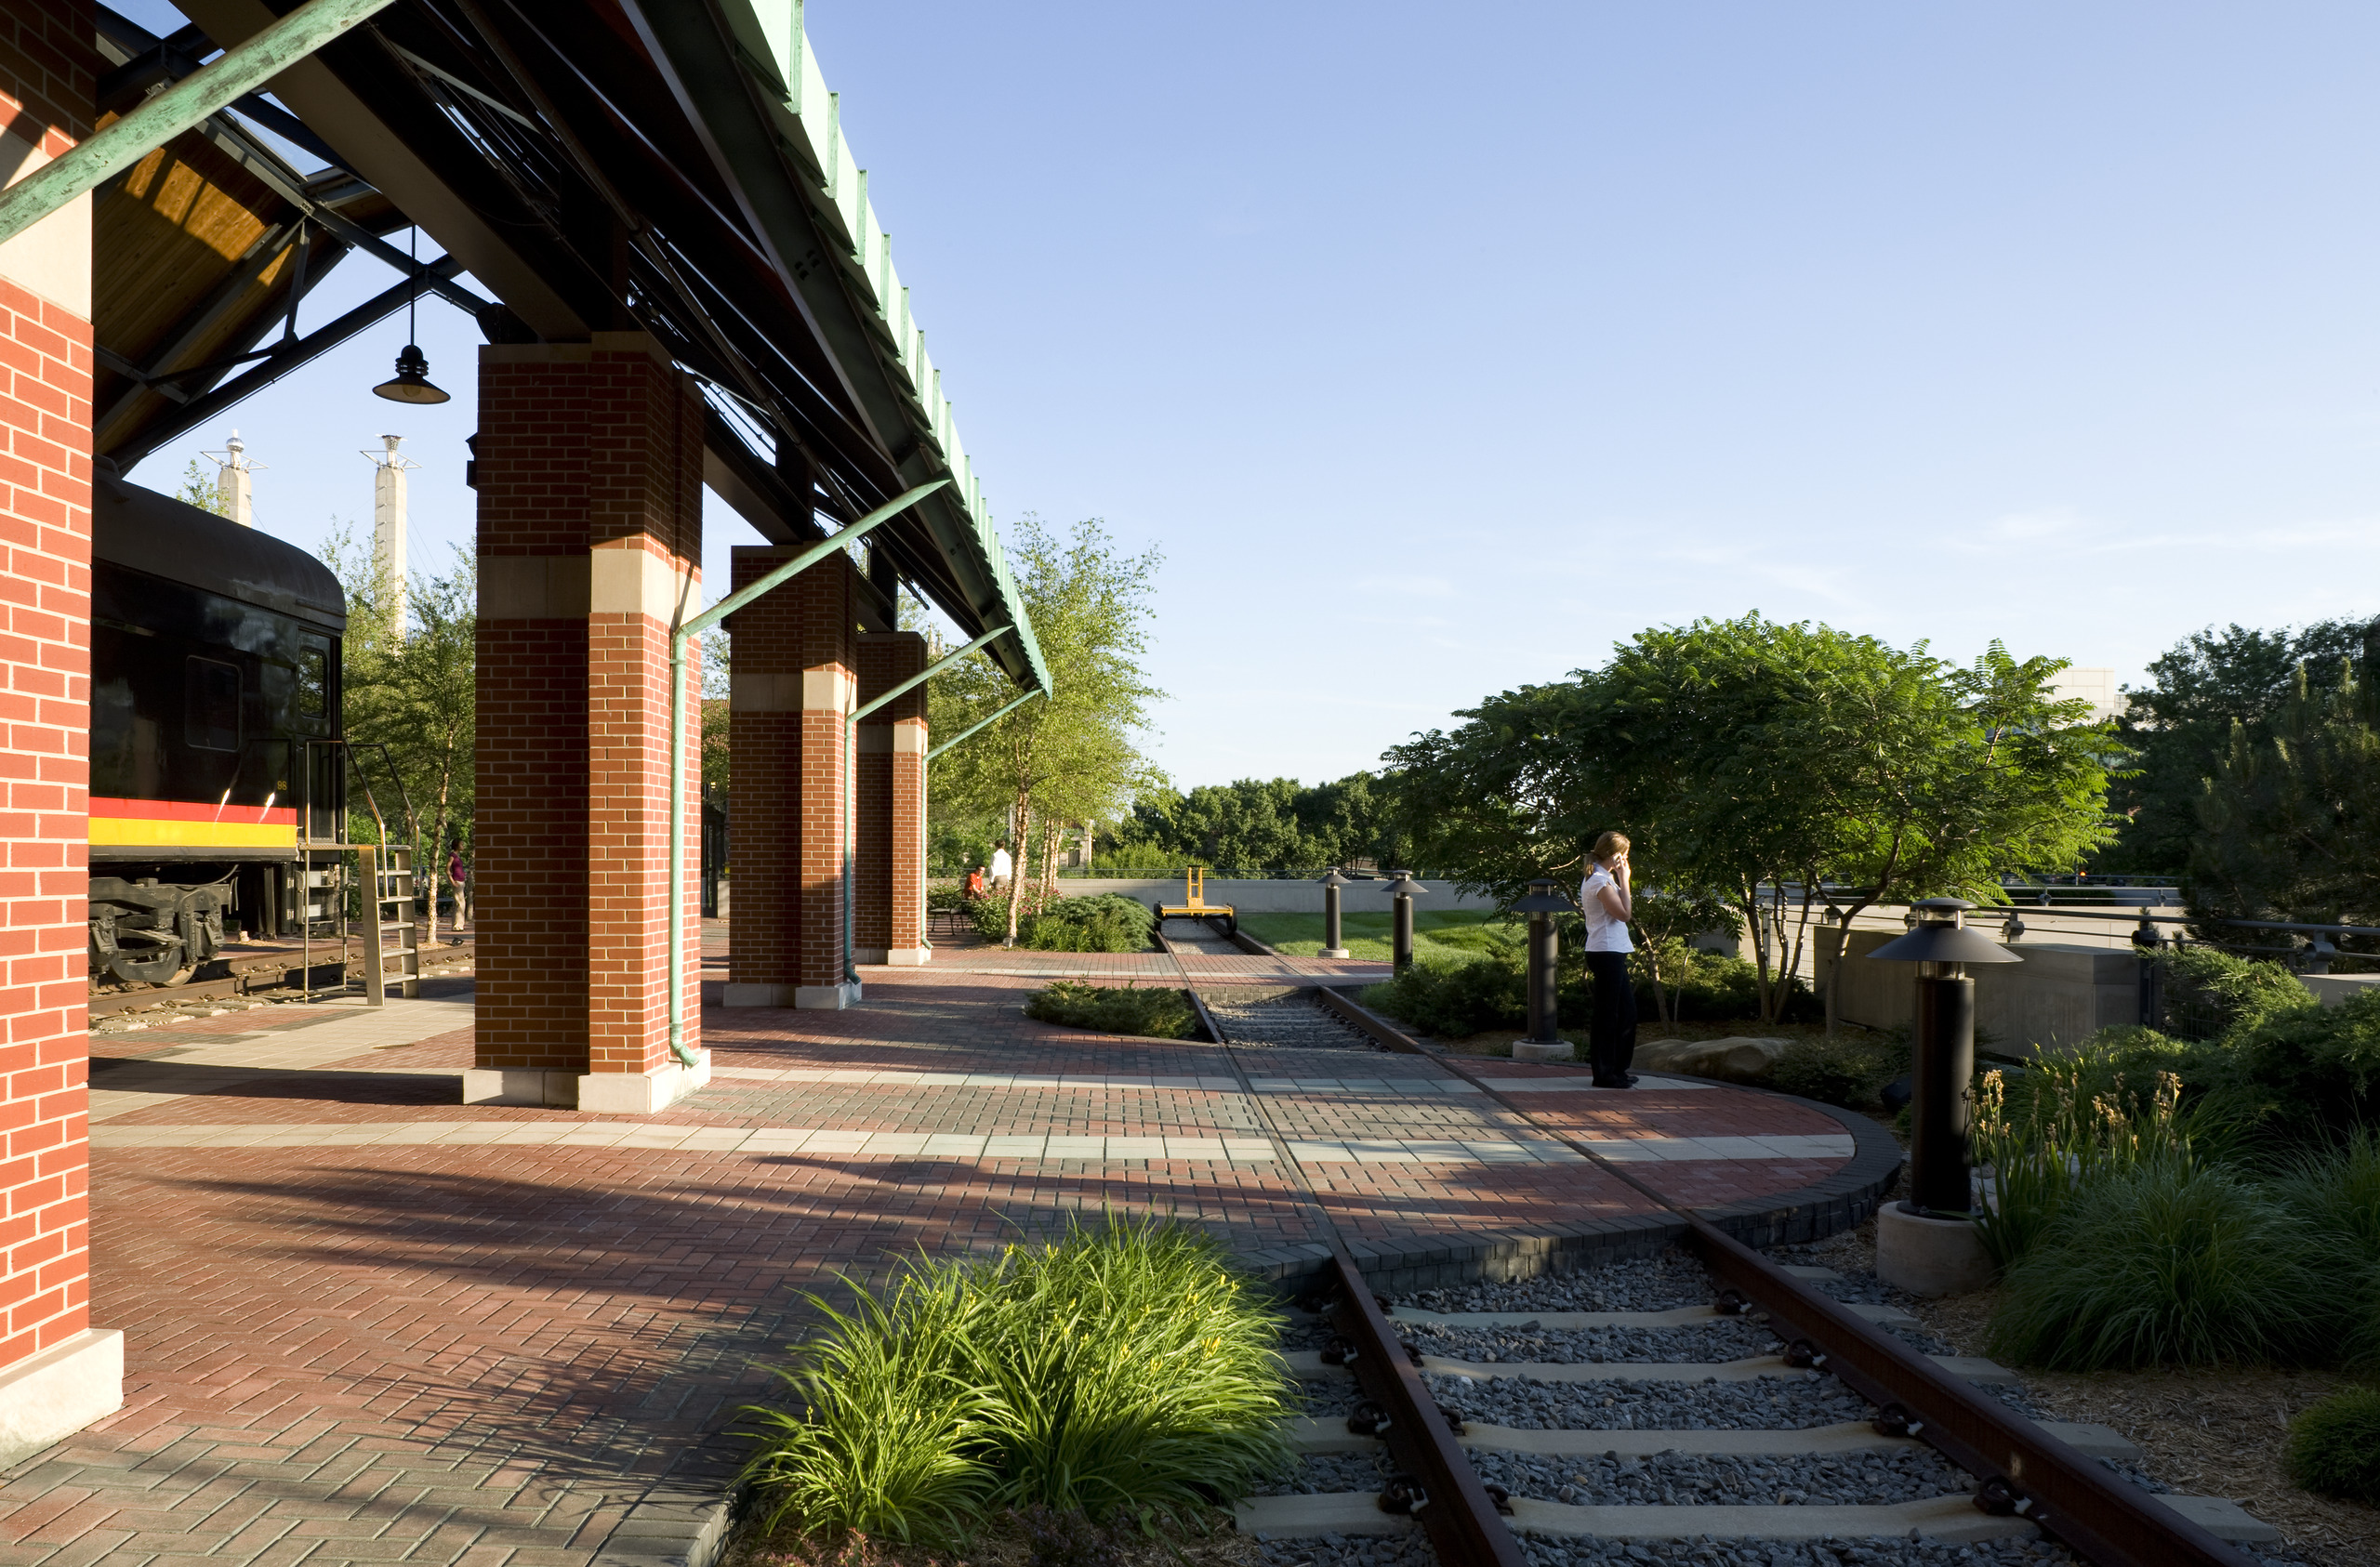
x: 240, y: 70
x: 851, y: 778
x: 680, y: 636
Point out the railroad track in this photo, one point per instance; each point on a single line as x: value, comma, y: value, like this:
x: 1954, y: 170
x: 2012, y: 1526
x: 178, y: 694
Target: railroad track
x: 273, y: 975
x: 1727, y: 1410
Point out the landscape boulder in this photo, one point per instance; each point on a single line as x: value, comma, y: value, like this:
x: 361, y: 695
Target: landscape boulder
x: 1729, y: 1060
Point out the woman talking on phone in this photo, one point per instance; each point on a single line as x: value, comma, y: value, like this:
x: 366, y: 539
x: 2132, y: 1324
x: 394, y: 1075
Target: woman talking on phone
x: 1604, y: 899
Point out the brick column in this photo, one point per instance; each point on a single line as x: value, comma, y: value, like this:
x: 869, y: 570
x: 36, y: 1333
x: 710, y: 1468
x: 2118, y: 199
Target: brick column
x: 890, y: 899
x: 795, y: 653
x: 589, y: 472
x: 58, y: 1372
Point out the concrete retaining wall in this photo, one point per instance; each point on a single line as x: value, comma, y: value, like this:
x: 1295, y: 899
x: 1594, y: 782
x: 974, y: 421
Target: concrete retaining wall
x: 2060, y: 996
x: 1273, y: 897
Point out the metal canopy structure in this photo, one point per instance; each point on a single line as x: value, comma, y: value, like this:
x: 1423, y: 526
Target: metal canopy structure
x: 674, y: 166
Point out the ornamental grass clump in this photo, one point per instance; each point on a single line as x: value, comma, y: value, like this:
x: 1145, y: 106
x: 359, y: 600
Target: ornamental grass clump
x: 1133, y: 1373
x: 2334, y: 1447
x: 1156, y: 1012
x: 1124, y: 1372
x: 892, y: 1408
x: 2168, y: 1262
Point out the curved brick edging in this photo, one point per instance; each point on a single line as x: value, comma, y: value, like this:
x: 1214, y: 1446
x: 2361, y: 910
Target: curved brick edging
x: 1828, y: 1207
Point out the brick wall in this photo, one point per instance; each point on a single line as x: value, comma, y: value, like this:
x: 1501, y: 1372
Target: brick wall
x: 889, y: 918
x: 47, y: 76
x: 794, y: 654
x: 589, y: 465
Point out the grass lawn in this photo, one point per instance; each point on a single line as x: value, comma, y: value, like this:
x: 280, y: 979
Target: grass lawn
x: 1368, y: 935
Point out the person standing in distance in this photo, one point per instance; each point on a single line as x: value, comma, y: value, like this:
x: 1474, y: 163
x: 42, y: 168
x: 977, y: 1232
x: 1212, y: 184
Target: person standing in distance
x: 1603, y: 898
x: 1002, y: 866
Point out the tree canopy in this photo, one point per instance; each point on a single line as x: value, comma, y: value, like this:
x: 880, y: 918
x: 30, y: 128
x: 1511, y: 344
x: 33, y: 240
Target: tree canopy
x: 1073, y: 756
x: 2289, y: 823
x: 2179, y: 726
x: 1780, y: 767
x: 414, y: 690
x: 1263, y: 824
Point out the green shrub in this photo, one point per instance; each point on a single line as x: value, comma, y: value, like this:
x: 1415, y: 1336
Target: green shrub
x: 891, y: 1406
x: 1106, y: 922
x: 988, y: 914
x: 1846, y: 1070
x: 1153, y: 1013
x: 1457, y: 1000
x: 2168, y: 1262
x: 1130, y: 1366
x: 2334, y: 1447
x: 1125, y: 1371
x: 2209, y: 992
x: 2305, y: 1071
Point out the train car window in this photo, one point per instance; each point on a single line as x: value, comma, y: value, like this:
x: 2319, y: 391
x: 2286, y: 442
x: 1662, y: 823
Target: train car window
x: 210, y: 705
x: 314, y: 685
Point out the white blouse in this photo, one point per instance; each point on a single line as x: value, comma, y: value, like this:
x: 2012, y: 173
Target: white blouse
x: 1604, y: 933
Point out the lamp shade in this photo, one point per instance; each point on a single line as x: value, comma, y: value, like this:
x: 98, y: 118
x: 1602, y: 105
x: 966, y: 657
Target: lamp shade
x: 412, y: 382
x: 1332, y: 878
x: 1541, y: 899
x: 1944, y: 943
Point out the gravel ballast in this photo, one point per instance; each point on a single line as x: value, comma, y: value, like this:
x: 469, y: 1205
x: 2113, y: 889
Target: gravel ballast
x: 1698, y: 1344
x: 1767, y: 1404
x: 1660, y: 1284
x: 1725, y: 1480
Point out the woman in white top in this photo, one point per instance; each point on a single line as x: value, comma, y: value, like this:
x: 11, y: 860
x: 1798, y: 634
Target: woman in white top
x: 1604, y: 899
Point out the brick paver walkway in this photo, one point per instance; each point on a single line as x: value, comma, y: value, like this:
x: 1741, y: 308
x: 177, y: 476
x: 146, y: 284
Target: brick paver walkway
x: 365, y: 1324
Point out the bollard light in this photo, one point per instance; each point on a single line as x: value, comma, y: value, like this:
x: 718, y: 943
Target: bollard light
x: 1401, y: 887
x: 1332, y: 945
x: 1941, y: 1102
x: 1544, y: 900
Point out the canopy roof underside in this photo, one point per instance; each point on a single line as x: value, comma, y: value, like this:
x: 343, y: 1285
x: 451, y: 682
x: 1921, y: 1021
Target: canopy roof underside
x: 676, y: 166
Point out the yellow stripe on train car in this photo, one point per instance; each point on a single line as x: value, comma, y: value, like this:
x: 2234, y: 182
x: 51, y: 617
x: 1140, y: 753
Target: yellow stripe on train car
x: 133, y: 832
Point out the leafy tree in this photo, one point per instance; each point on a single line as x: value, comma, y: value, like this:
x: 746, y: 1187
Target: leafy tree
x: 1764, y: 764
x: 417, y: 695
x: 1264, y: 825
x: 1071, y: 757
x: 200, y: 489
x: 2179, y: 726
x: 2290, y: 822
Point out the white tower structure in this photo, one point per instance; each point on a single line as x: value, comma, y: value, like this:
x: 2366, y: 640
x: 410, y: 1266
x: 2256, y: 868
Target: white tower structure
x: 389, y: 526
x: 232, y: 496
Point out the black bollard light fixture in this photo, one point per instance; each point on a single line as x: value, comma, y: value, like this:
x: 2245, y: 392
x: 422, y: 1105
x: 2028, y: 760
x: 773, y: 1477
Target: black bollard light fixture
x: 1401, y: 887
x: 1544, y: 900
x: 1331, y: 944
x: 1941, y: 1099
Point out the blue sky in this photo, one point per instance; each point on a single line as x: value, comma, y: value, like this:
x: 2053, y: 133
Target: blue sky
x: 1440, y: 348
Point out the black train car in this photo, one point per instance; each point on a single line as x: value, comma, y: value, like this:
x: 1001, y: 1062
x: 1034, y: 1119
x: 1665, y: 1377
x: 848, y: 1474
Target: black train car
x: 215, y: 676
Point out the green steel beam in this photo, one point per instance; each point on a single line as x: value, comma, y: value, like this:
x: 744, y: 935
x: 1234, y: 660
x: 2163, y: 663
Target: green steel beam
x: 240, y: 70
x: 906, y: 687
x: 809, y: 557
x: 993, y: 719
x: 744, y: 73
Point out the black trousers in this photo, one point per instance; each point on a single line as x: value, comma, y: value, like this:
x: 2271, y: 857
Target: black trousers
x: 1611, y: 1044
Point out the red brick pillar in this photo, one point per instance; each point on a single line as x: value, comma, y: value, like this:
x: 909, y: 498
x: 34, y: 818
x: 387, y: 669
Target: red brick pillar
x: 58, y: 1372
x: 794, y: 655
x: 590, y: 474
x: 889, y: 925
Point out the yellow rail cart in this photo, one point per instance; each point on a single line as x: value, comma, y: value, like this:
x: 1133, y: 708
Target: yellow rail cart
x: 1194, y: 904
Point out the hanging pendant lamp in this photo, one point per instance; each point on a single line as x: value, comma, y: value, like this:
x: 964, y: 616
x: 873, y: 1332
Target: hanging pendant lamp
x: 412, y: 382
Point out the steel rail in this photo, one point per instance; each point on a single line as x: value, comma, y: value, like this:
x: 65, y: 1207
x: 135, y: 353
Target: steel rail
x: 2099, y: 1515
x: 1454, y: 1508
